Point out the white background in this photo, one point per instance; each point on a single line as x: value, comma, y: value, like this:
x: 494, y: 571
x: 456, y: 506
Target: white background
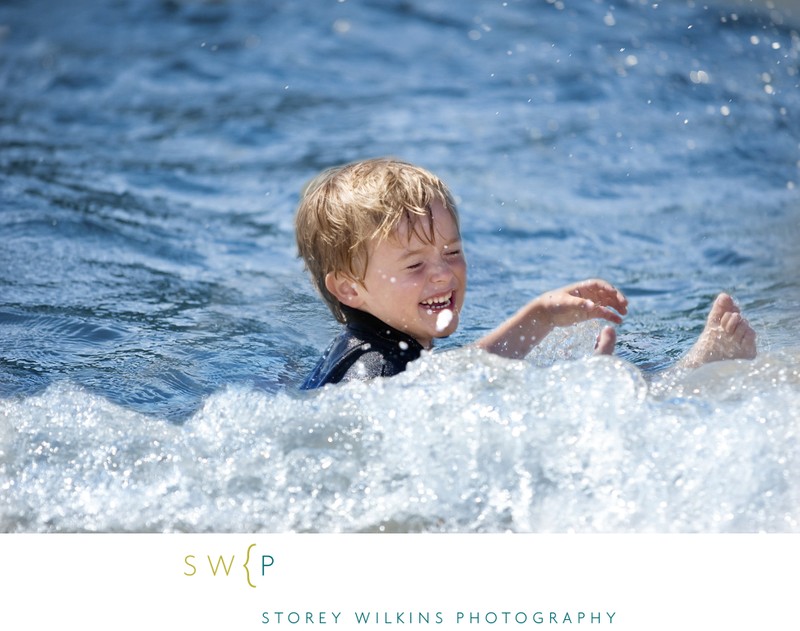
x: 649, y: 582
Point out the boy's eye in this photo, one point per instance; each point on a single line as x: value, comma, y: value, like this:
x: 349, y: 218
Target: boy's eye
x: 414, y: 266
x: 453, y: 252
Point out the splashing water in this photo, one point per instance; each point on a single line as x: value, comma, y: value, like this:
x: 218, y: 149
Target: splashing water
x: 584, y: 445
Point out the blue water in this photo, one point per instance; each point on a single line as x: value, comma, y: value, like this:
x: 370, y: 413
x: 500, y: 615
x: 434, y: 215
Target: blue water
x: 154, y: 318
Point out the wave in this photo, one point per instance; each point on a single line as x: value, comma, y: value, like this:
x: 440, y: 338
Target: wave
x: 461, y: 442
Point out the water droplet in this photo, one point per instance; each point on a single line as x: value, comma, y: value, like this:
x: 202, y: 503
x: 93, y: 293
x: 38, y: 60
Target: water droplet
x: 443, y: 320
x: 341, y: 26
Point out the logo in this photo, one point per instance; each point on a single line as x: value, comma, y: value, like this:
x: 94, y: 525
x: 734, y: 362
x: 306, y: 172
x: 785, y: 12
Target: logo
x: 227, y: 566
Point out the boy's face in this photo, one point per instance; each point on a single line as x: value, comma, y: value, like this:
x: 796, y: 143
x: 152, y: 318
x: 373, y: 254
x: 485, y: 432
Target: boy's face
x: 416, y: 286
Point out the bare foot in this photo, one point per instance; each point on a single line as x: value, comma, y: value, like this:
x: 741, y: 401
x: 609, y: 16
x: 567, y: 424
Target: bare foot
x: 605, y: 341
x: 727, y: 335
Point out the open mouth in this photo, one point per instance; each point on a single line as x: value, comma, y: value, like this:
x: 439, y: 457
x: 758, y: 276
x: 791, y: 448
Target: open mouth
x: 438, y: 303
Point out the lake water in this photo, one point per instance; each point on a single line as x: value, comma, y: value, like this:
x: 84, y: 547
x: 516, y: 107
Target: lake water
x: 155, y: 321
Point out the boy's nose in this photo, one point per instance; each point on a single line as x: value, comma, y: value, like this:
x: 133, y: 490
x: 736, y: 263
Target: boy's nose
x: 441, y: 272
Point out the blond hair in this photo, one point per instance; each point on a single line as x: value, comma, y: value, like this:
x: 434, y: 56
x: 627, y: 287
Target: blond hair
x: 344, y: 208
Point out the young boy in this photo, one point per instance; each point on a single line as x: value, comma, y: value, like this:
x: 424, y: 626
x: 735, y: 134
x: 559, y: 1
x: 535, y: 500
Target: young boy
x: 382, y: 242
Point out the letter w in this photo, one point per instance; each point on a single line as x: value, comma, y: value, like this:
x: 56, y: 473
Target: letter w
x: 215, y: 568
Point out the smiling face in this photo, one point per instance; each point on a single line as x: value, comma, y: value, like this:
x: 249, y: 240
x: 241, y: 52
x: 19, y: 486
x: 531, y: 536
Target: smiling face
x: 415, y: 281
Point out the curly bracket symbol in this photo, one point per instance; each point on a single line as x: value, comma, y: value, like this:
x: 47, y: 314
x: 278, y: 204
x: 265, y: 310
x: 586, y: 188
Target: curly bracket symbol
x: 247, y: 569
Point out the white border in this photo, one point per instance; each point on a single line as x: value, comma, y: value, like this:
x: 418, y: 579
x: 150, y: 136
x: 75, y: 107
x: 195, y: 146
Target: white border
x: 648, y: 582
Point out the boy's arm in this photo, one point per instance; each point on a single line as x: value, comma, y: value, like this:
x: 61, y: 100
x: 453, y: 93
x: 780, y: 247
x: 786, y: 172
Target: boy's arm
x: 562, y: 307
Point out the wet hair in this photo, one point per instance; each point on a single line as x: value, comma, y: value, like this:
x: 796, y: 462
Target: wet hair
x: 344, y: 208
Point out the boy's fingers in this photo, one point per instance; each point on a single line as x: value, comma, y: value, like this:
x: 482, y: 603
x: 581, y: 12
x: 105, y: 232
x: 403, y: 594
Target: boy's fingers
x: 602, y: 292
x: 608, y: 314
x: 595, y: 310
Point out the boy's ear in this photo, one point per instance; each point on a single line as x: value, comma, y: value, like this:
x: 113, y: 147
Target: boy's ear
x: 344, y: 288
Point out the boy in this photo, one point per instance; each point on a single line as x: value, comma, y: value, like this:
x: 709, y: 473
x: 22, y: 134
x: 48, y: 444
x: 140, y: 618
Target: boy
x: 382, y: 242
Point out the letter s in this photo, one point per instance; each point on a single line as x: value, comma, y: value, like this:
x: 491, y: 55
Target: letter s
x: 186, y: 561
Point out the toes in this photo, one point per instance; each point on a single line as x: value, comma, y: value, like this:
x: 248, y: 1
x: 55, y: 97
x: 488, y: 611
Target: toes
x: 728, y: 335
x: 749, y: 344
x: 739, y: 327
x: 723, y: 305
x: 740, y: 332
x: 739, y: 337
x: 731, y: 321
x: 748, y: 338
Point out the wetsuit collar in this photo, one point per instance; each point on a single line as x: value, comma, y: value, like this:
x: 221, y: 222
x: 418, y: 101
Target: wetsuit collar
x: 365, y: 323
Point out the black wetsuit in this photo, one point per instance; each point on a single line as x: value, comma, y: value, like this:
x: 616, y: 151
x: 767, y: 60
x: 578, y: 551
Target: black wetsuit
x: 367, y: 348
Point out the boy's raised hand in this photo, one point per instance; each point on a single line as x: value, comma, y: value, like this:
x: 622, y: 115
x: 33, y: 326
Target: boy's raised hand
x: 568, y: 305
x: 586, y: 300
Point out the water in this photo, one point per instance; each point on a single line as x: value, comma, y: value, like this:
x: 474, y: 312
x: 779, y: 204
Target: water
x: 154, y: 319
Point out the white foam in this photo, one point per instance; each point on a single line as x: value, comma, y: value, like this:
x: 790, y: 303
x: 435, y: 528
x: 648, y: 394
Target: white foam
x: 462, y: 441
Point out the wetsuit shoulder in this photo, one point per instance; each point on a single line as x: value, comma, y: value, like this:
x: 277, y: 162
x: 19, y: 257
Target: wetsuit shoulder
x: 366, y: 349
